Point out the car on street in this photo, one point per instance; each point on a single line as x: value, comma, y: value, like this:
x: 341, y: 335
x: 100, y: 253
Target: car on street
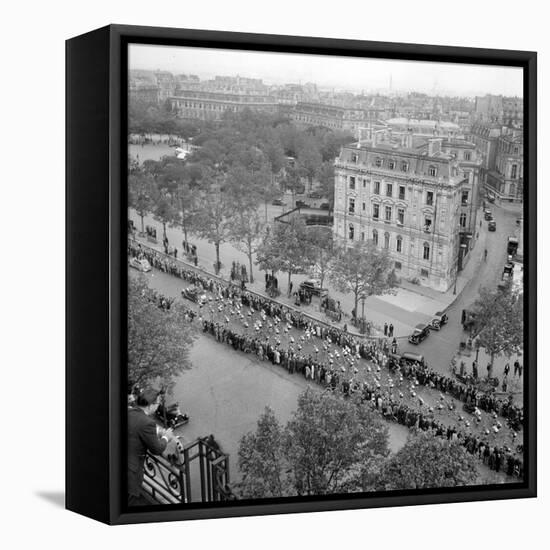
x: 277, y: 202
x: 314, y: 286
x: 141, y: 265
x: 301, y: 204
x: 420, y: 333
x: 438, y: 320
x: 468, y: 319
x: 490, y: 197
x: 194, y: 295
x: 324, y: 206
x: 512, y: 246
x: 315, y: 195
x: 488, y: 215
x: 492, y: 225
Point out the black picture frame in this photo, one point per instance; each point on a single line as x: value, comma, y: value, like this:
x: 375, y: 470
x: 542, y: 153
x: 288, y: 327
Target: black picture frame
x: 96, y: 164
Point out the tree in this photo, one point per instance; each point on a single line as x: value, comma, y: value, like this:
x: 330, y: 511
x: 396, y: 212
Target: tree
x: 158, y: 340
x: 261, y: 460
x: 165, y: 212
x: 364, y: 270
x: 214, y: 208
x: 246, y: 231
x: 498, y: 323
x: 292, y: 182
x: 427, y: 461
x: 321, y: 250
x: 186, y: 202
x: 309, y: 160
x: 285, y: 249
x: 326, y: 180
x: 328, y: 446
x: 141, y: 194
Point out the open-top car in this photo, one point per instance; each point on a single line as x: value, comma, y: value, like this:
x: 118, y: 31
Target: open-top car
x: 141, y: 265
x: 438, y: 320
x: 420, y: 333
x: 194, y: 294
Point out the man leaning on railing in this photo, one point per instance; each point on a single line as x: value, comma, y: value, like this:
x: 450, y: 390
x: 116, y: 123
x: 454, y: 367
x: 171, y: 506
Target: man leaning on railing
x: 143, y: 436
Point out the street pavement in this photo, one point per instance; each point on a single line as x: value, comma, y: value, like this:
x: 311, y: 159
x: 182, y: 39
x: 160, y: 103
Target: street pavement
x: 410, y: 305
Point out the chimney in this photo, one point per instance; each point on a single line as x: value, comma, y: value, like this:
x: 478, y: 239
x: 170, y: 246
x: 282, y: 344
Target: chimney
x: 434, y: 146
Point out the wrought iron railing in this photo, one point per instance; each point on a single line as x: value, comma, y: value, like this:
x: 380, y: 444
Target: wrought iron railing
x: 200, y: 474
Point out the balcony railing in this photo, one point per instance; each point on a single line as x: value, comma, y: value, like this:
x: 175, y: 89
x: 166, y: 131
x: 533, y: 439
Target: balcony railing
x: 199, y: 473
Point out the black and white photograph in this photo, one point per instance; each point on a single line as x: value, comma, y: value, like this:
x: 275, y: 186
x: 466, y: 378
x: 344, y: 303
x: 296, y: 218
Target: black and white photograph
x: 325, y: 275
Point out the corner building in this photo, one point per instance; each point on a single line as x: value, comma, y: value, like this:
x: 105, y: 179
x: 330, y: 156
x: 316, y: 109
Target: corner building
x: 415, y: 197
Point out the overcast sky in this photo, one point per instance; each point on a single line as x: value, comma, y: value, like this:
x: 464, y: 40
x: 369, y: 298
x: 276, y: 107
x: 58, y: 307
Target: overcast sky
x: 332, y: 72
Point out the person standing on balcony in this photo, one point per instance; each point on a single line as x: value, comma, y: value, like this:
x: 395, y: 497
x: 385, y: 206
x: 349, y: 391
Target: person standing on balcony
x: 143, y: 436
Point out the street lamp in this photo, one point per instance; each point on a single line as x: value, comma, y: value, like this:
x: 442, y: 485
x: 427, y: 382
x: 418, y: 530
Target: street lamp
x: 363, y: 297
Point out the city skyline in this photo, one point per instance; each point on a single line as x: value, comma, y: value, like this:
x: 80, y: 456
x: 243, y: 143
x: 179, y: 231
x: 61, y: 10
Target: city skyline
x: 352, y: 74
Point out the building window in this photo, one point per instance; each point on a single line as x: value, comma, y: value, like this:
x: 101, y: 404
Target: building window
x: 351, y: 208
x: 364, y: 207
x: 377, y: 188
x: 429, y: 198
x: 388, y: 214
x: 362, y: 235
x: 432, y: 171
x: 427, y: 225
x: 424, y: 273
x: 402, y: 192
x: 391, y: 165
x: 354, y: 157
x: 514, y: 173
x: 465, y: 195
x: 351, y: 232
x: 467, y: 155
x: 352, y: 182
x: 516, y: 150
x: 399, y: 243
x: 375, y: 237
x: 400, y: 216
x: 463, y: 220
x: 378, y: 162
x: 404, y: 166
x: 426, y: 251
x: 386, y: 240
x: 364, y: 183
x: 376, y: 211
x: 389, y: 189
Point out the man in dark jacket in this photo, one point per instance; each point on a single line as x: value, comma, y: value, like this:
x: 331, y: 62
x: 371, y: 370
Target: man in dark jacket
x: 143, y: 435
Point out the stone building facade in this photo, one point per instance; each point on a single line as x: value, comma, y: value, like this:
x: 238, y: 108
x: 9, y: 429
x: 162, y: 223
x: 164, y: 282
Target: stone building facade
x: 418, y: 202
x: 198, y: 104
x: 505, y: 180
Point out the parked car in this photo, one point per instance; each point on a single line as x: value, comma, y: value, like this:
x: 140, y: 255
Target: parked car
x: 492, y: 225
x: 420, y: 333
x: 488, y: 215
x: 512, y: 246
x: 315, y: 195
x: 314, y: 286
x: 324, y: 206
x: 194, y: 295
x: 439, y: 319
x: 468, y: 319
x: 277, y: 202
x: 301, y: 204
x: 141, y: 265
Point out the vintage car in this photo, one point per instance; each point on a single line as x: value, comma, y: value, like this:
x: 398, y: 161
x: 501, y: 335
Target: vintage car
x: 194, y: 295
x: 488, y: 215
x: 512, y: 246
x: 490, y: 197
x: 301, y: 204
x: 468, y: 319
x: 420, y: 333
x: 406, y: 358
x: 439, y: 319
x: 277, y: 202
x: 314, y: 286
x: 324, y: 206
x: 492, y: 225
x: 141, y: 265
x: 170, y: 416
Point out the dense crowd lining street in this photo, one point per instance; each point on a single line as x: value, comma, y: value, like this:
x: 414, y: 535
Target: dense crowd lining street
x: 399, y: 395
x: 408, y: 308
